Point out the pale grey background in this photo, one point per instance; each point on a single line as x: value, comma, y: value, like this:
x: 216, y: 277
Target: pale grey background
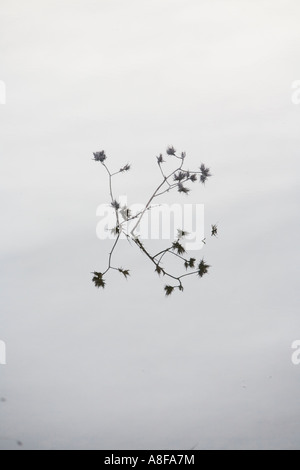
x: 126, y: 368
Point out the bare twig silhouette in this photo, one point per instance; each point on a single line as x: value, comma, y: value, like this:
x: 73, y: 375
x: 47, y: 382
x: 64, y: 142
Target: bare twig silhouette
x: 177, y: 179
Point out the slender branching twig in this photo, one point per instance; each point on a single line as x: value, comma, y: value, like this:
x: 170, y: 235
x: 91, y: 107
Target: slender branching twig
x: 176, y: 180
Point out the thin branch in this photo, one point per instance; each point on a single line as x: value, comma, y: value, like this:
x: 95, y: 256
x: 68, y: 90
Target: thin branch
x: 166, y: 178
x: 111, y: 253
x: 179, y: 177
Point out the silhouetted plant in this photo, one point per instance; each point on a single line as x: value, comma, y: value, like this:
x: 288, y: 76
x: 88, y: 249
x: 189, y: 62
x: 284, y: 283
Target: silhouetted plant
x: 176, y: 180
x: 214, y: 230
